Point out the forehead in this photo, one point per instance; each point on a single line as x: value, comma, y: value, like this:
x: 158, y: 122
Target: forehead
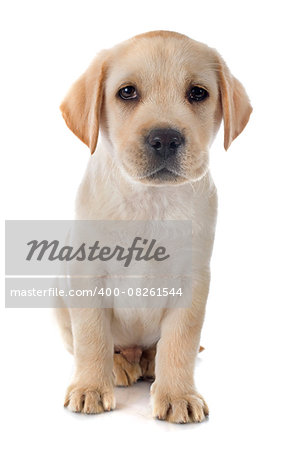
x: 162, y: 59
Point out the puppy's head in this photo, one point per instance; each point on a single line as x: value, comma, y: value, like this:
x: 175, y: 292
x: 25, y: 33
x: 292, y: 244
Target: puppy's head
x: 159, y: 99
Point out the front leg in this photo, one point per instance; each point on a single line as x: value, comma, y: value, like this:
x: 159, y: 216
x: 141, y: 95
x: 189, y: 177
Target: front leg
x: 91, y: 390
x: 174, y: 396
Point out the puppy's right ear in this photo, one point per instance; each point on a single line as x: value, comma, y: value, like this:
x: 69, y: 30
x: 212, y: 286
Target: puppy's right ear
x: 81, y: 106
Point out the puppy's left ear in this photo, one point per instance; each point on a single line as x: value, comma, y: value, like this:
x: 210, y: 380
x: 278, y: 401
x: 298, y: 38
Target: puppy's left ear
x: 82, y: 104
x: 235, y: 104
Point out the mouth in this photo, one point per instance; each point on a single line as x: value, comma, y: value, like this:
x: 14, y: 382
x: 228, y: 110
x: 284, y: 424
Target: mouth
x: 163, y: 174
x: 160, y: 174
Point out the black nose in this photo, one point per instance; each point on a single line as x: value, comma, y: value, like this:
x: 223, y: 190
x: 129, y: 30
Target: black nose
x: 165, y: 141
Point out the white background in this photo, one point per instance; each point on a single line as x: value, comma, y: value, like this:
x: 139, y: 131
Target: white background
x: 249, y: 372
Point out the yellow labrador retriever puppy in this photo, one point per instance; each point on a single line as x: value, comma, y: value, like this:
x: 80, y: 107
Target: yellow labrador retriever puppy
x: 157, y: 101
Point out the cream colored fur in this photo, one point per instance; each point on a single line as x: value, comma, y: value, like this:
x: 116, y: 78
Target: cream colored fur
x: 161, y: 65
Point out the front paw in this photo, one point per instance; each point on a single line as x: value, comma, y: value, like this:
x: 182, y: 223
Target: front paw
x: 89, y: 399
x: 185, y: 407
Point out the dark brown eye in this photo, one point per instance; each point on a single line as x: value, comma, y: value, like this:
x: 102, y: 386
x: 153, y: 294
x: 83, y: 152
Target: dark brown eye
x: 197, y: 94
x: 128, y: 93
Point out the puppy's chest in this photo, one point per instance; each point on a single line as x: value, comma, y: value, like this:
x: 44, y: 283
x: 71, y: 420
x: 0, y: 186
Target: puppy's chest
x: 142, y: 326
x: 159, y: 205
